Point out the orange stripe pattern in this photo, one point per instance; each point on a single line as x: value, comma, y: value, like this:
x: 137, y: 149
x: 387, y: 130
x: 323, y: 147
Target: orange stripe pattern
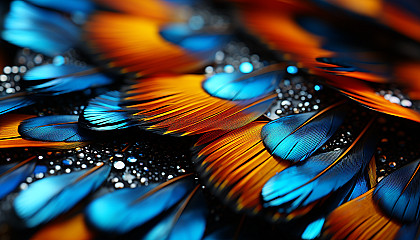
x: 10, y: 137
x: 133, y: 44
x: 237, y: 165
x: 177, y: 104
x: 360, y: 219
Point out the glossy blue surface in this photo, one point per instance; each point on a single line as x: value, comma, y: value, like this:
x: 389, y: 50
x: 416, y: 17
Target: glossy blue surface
x: 409, y: 231
x: 105, y: 113
x: 317, y: 177
x: 190, y: 224
x: 55, y: 128
x: 13, y: 102
x: 313, y: 230
x: 196, y: 42
x: 239, y: 86
x: 292, y: 69
x: 49, y: 197
x: 360, y: 187
x: 9, y: 181
x: 41, y: 30
x: 398, y: 194
x: 55, y: 80
x: 294, y: 138
x: 126, y: 209
x: 84, y: 6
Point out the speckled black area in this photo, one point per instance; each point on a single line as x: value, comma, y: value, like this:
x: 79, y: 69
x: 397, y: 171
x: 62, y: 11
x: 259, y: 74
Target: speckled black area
x: 399, y: 144
x: 299, y: 93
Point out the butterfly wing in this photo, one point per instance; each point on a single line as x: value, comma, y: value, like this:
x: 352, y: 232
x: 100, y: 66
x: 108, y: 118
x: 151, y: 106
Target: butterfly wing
x: 41, y: 30
x: 296, y: 137
x: 364, y: 94
x: 106, y: 113
x: 158, y: 10
x: 318, y: 176
x: 11, y: 138
x: 398, y: 193
x: 12, y: 175
x: 187, y: 221
x: 75, y: 6
x: 123, y: 210
x: 235, y: 165
x: 360, y: 219
x: 47, y: 198
x: 56, y: 128
x: 138, y: 45
x: 14, y: 101
x: 51, y: 79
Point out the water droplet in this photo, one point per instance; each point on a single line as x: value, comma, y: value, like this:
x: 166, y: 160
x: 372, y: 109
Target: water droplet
x: 246, y: 67
x: 196, y: 22
x: 219, y: 56
x: 132, y: 159
x: 286, y: 103
x: 229, y: 68
x: 394, y: 99
x: 7, y: 70
x: 209, y: 70
x: 406, y: 103
x: 39, y: 175
x: 23, y: 186
x: 119, y: 165
x: 128, y: 177
x: 392, y: 164
x: 292, y: 69
x: 59, y: 60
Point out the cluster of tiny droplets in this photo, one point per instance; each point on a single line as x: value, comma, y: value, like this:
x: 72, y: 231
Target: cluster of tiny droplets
x: 27, y: 59
x: 12, y: 75
x: 140, y: 163
x: 397, y: 96
x: 201, y: 18
x: 342, y: 139
x: 10, y: 79
x: 31, y: 59
x: 235, y: 57
x: 144, y: 163
x: 345, y: 135
x: 52, y: 163
x: 398, y: 146
x: 296, y: 95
